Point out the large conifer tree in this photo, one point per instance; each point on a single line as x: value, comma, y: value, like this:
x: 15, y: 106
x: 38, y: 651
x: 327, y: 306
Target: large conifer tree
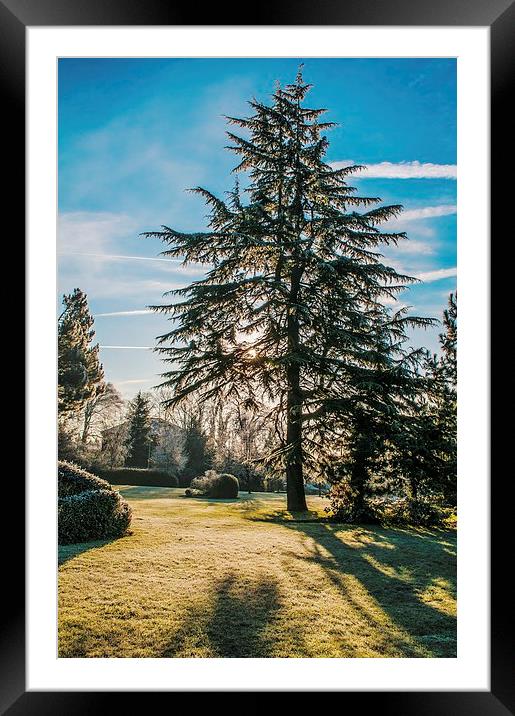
x: 290, y: 311
x: 80, y: 373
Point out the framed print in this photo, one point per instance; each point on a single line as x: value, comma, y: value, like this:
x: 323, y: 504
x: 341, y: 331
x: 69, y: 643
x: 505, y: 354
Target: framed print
x: 271, y: 439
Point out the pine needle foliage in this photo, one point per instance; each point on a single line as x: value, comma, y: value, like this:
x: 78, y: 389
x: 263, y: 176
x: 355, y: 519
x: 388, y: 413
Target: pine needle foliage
x: 290, y: 311
x: 80, y: 373
x: 138, y: 441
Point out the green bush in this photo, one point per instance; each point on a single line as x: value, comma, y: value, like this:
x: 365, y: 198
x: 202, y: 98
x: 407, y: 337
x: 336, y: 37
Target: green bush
x: 201, y: 485
x: 449, y: 518
x: 92, y: 515
x: 224, y: 486
x: 72, y: 480
x: 387, y: 510
x: 407, y: 511
x: 213, y: 484
x: 139, y: 477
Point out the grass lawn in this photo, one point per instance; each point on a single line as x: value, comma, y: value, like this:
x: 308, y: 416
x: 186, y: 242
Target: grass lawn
x: 238, y: 578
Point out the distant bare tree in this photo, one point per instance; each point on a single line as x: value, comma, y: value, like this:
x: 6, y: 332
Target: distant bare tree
x: 100, y: 412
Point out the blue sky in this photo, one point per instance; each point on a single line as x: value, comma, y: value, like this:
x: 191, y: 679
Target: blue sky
x: 134, y: 134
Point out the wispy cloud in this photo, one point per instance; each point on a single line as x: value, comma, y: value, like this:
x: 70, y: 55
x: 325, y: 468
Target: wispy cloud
x: 422, y: 232
x: 402, y: 170
x: 412, y: 247
x: 427, y: 212
x: 430, y: 276
x: 138, y: 312
x: 92, y: 232
x: 133, y: 381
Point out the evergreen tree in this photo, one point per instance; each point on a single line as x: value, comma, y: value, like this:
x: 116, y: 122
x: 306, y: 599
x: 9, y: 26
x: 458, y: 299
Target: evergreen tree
x: 443, y: 401
x: 449, y: 341
x: 198, y: 456
x: 425, y: 444
x: 138, y: 441
x: 289, y: 311
x: 371, y: 410
x: 80, y: 373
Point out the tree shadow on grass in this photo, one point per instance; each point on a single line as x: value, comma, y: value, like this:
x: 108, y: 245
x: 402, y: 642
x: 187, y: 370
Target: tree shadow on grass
x: 66, y: 552
x: 212, y: 500
x: 396, y: 567
x: 233, y: 623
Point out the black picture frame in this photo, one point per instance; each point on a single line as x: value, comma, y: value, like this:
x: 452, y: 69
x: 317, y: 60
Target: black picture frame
x: 15, y: 17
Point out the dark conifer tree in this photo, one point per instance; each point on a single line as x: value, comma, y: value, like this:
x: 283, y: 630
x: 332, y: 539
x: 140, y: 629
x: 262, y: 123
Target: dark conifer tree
x: 80, y: 373
x: 371, y: 408
x: 425, y: 442
x: 196, y: 451
x: 289, y: 310
x: 449, y: 341
x: 443, y: 397
x: 139, y: 439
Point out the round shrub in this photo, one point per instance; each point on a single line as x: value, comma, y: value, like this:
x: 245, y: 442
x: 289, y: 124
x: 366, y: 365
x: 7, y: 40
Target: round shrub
x: 73, y: 480
x: 203, y: 483
x: 92, y: 515
x: 213, y: 484
x: 224, y: 486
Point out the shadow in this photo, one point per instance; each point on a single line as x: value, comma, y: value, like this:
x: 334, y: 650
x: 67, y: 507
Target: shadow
x: 213, y: 500
x: 234, y: 622
x: 280, y: 516
x: 66, y: 552
x: 142, y: 492
x: 405, y: 572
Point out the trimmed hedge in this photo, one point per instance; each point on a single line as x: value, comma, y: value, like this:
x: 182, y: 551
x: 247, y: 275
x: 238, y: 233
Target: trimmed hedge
x: 73, y: 480
x: 92, y: 515
x: 138, y: 476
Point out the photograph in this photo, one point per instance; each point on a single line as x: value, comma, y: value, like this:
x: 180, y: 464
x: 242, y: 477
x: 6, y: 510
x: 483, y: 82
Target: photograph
x: 256, y: 328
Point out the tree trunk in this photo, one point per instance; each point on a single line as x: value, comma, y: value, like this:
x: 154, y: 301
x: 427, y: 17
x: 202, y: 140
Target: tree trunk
x: 88, y: 414
x: 358, y: 481
x: 296, y: 498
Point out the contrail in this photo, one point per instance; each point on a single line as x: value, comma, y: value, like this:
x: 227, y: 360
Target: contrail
x: 138, y: 312
x: 117, y: 256
x: 137, y: 348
